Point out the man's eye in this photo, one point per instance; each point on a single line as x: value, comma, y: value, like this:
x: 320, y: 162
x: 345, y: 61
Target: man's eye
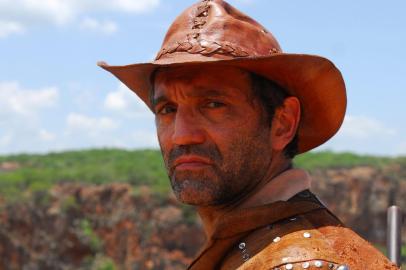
x: 214, y: 104
x: 167, y: 109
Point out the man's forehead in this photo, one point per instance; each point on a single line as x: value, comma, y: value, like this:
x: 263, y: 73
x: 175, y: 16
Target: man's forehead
x: 203, y: 74
x: 202, y: 82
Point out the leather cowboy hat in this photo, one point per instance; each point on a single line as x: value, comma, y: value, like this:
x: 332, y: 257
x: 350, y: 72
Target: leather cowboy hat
x: 212, y: 32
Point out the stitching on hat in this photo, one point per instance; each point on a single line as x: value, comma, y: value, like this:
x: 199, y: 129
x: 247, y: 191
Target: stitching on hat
x: 195, y: 45
x: 204, y: 47
x: 207, y: 47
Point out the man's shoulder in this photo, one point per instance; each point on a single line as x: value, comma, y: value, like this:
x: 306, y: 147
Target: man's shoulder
x: 312, y: 241
x: 330, y: 247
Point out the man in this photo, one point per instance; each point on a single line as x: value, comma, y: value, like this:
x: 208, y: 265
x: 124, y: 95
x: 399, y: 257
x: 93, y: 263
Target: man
x: 231, y: 111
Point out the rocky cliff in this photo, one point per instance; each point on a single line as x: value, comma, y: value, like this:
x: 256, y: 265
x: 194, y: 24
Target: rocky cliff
x: 117, y: 226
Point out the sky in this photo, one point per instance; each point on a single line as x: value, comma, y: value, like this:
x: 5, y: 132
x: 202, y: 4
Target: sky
x: 53, y: 97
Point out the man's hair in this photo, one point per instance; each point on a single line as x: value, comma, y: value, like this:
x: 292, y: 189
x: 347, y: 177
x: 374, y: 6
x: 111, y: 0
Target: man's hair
x: 272, y: 96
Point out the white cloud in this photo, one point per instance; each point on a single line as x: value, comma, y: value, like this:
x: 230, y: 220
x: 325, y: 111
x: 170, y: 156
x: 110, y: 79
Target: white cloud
x: 401, y: 148
x: 145, y: 139
x: 24, y: 13
x: 90, y: 126
x: 29, y: 120
x: 116, y: 101
x: 135, y: 6
x: 245, y: 2
x: 366, y: 135
x: 362, y: 127
x: 15, y: 99
x: 45, y: 135
x: 35, y: 11
x: 8, y: 28
x: 6, y: 139
x: 22, y: 114
x: 104, y: 27
x: 124, y: 101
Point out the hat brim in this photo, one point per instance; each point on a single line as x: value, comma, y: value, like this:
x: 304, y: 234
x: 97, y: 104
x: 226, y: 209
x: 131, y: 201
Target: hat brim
x: 315, y: 80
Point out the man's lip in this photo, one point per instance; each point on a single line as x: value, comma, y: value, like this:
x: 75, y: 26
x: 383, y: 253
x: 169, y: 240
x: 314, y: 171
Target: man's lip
x: 191, y: 161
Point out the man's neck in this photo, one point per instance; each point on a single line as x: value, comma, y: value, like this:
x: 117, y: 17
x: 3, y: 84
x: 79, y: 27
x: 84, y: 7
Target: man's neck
x: 210, y: 214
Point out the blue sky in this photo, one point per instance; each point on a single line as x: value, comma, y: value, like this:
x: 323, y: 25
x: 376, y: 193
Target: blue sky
x: 53, y: 97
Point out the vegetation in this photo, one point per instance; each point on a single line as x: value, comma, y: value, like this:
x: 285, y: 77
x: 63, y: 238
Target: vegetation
x: 36, y: 173
x: 328, y: 159
x: 22, y: 176
x: 40, y: 172
x: 402, y: 254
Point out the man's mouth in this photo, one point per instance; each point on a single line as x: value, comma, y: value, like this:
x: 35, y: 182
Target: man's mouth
x: 191, y: 162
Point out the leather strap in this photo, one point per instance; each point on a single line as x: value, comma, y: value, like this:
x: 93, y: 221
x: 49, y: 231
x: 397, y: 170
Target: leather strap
x: 244, y: 220
x: 239, y: 223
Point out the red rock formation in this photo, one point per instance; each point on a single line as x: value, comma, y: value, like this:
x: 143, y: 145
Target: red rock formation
x: 85, y: 227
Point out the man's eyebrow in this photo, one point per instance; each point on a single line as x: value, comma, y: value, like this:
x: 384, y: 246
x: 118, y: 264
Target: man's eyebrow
x: 204, y: 92
x: 213, y: 93
x: 199, y: 93
x: 159, y: 99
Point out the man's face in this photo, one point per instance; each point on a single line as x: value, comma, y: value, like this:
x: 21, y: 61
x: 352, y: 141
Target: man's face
x: 213, y: 133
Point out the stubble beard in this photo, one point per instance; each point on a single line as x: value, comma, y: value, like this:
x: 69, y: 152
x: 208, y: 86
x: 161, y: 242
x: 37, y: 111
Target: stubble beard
x: 205, y: 187
x: 228, y: 179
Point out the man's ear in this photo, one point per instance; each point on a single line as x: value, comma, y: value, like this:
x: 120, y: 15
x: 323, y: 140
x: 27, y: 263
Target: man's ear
x: 285, y: 123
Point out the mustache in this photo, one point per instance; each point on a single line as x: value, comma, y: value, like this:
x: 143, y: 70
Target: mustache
x: 210, y: 152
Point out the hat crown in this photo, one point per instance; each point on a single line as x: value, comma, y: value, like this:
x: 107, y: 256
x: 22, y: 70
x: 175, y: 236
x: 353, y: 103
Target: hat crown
x: 216, y: 29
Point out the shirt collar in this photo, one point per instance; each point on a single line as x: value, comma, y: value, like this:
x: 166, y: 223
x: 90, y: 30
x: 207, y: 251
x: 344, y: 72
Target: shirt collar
x: 280, y: 188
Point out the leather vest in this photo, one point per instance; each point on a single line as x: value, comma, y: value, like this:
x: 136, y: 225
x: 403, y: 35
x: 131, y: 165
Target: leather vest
x: 300, y: 233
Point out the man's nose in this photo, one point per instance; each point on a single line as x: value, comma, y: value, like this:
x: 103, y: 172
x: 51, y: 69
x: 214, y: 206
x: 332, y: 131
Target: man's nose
x: 188, y: 129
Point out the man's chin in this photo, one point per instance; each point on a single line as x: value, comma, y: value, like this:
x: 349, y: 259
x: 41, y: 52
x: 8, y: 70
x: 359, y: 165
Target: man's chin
x: 196, y: 193
x: 198, y: 202
x: 193, y: 197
